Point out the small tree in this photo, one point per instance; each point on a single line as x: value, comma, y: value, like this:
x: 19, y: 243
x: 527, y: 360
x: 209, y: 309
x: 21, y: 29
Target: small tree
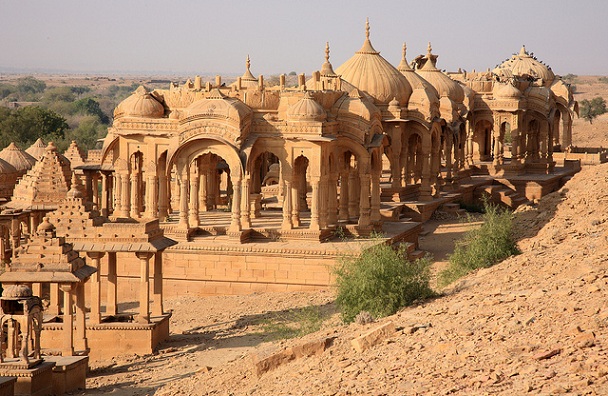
x: 380, y: 281
x: 590, y: 109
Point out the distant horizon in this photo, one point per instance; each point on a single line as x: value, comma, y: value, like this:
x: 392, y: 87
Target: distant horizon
x: 186, y: 37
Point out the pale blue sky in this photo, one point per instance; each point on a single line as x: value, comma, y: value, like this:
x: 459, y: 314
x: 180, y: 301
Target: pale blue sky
x: 206, y: 36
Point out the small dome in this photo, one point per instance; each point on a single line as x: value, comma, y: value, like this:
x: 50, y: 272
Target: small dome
x: 415, y: 80
x: 18, y: 158
x: 37, y: 149
x: 327, y: 70
x: 76, y: 189
x: 443, y: 84
x: 306, y: 109
x: 505, y: 91
x: 140, y: 104
x: 524, y: 64
x: 45, y: 227
x: 14, y: 292
x: 370, y: 72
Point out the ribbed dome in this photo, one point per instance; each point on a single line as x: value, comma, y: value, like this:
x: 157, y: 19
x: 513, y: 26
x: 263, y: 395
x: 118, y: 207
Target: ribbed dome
x: 18, y: 158
x: 505, y: 91
x: 218, y: 105
x: 444, y: 85
x: 524, y: 64
x: 140, y: 104
x: 370, y: 72
x: 37, y: 149
x: 247, y: 79
x: 411, y: 76
x: 306, y: 109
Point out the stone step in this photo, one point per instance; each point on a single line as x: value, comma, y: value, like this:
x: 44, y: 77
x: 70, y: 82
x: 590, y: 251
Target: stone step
x: 416, y: 254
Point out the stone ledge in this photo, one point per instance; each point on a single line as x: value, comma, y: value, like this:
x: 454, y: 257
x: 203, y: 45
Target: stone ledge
x: 373, y: 337
x: 275, y: 360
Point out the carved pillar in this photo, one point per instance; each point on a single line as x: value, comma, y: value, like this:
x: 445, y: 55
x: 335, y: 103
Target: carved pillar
x: 125, y: 197
x: 235, y: 223
x: 157, y: 306
x: 352, y: 193
x: 203, y: 205
x: 364, y: 205
x: 163, y: 206
x: 286, y: 225
x: 332, y: 200
x: 344, y: 187
x: 55, y: 306
x: 95, y: 190
x: 449, y: 143
x: 105, y: 202
x: 144, y: 287
x: 81, y: 328
x: 135, y: 194
x: 117, y: 193
x: 245, y: 214
x: 323, y: 204
x: 151, y: 197
x: 375, y: 205
x: 314, y: 211
x: 111, y: 307
x: 37, y: 289
x: 183, y: 203
x: 425, y: 185
x: 295, y: 205
x: 95, y: 316
x: 193, y: 218
x: 68, y: 320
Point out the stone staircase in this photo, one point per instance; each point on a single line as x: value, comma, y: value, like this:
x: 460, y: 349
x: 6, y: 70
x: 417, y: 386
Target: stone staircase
x: 390, y: 211
x: 502, y: 195
x: 412, y: 252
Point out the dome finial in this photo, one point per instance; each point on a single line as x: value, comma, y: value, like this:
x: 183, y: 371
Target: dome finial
x: 248, y: 62
x: 327, y: 51
x: 367, y: 28
x: 404, y: 51
x: 429, y: 50
x: 522, y: 51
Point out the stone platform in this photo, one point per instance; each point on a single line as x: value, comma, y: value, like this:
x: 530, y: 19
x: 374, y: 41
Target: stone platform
x: 32, y: 379
x: 7, y: 386
x: 69, y: 373
x: 113, y: 338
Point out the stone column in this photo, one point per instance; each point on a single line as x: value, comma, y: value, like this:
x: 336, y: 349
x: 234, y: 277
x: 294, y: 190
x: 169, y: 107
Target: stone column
x: 364, y: 206
x: 375, y: 204
x: 425, y: 185
x: 144, y: 287
x: 183, y: 203
x: 332, y: 201
x: 151, y: 197
x: 55, y: 307
x: 37, y: 289
x: 81, y: 328
x: 95, y: 316
x: 105, y: 202
x: 88, y: 186
x: 111, y: 302
x: 157, y: 305
x: 194, y: 186
x: 286, y: 225
x: 235, y: 223
x: 203, y: 191
x: 344, y: 187
x: 314, y: 211
x: 135, y: 195
x: 125, y: 197
x: 352, y: 193
x: 163, y: 206
x: 245, y: 214
x: 68, y: 320
x: 117, y: 194
x: 95, y: 190
x: 323, y: 204
x: 295, y: 205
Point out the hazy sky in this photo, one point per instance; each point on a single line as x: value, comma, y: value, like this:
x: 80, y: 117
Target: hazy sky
x: 206, y: 36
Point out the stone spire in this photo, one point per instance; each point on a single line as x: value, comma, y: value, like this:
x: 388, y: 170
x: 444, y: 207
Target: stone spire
x: 403, y: 65
x: 367, y: 47
x: 327, y: 69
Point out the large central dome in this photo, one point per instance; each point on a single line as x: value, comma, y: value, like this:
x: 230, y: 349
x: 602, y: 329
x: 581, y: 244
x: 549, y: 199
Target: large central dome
x: 523, y: 64
x: 370, y: 72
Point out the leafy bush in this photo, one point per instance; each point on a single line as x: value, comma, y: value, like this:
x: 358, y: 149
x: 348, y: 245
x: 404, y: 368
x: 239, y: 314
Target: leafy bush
x: 482, y: 247
x: 381, y: 281
x: 590, y: 109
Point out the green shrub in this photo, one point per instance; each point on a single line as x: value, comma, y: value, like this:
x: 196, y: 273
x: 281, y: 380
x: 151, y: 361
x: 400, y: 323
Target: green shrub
x: 294, y: 323
x: 381, y: 281
x: 482, y: 247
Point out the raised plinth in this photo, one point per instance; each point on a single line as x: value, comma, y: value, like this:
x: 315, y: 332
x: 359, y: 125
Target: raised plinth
x: 35, y: 381
x: 69, y: 373
x: 111, y: 339
x: 7, y: 386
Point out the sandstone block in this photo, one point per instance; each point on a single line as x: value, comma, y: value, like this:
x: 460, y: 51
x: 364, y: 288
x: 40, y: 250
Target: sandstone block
x: 373, y: 337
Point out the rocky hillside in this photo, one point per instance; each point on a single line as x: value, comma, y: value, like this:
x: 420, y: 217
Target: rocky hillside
x: 536, y: 323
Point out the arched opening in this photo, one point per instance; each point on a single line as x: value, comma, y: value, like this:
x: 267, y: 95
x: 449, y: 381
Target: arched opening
x: 300, y: 189
x: 482, y: 141
x: 532, y: 141
x: 557, y: 130
x: 415, y: 159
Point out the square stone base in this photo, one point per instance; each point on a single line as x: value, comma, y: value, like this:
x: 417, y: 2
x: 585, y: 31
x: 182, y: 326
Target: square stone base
x: 109, y: 339
x: 69, y: 373
x: 7, y: 386
x: 35, y: 381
